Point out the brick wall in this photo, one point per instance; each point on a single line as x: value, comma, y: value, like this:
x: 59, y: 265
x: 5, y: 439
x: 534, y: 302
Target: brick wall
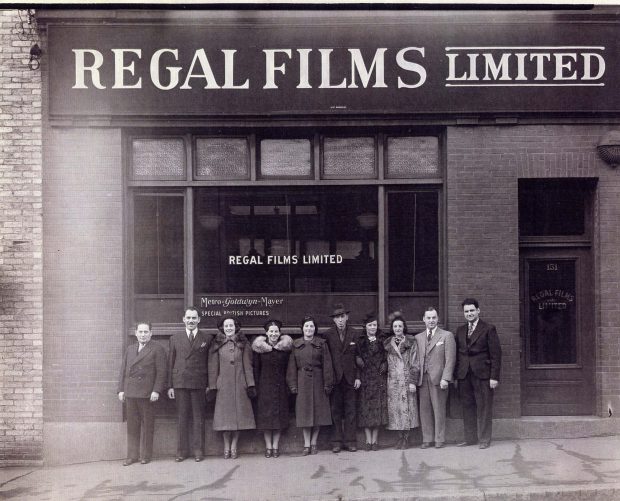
x: 83, y: 272
x: 482, y: 243
x: 21, y: 399
x: 484, y: 165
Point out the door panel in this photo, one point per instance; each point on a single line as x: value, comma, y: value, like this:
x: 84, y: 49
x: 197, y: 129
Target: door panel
x: 559, y: 341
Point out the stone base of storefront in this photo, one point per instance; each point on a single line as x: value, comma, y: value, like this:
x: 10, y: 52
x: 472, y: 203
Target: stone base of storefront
x: 68, y: 443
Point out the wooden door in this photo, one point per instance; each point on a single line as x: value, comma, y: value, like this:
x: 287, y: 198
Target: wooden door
x: 558, y: 332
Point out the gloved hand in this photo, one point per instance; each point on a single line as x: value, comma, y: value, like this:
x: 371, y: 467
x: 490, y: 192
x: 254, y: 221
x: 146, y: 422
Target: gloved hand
x: 211, y: 394
x: 251, y: 391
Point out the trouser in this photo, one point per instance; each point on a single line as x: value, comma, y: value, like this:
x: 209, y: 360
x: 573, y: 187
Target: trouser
x: 344, y: 407
x: 190, y: 408
x: 477, y: 402
x: 433, y: 401
x: 140, y: 421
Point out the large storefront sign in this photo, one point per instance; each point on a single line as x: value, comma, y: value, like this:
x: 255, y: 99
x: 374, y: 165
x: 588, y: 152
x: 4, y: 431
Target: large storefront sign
x: 412, y: 65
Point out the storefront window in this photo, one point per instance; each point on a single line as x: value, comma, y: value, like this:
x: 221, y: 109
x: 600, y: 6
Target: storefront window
x: 222, y: 158
x: 286, y: 158
x: 161, y: 158
x: 349, y: 158
x: 412, y: 157
x: 158, y: 244
x: 286, y: 241
x: 413, y: 251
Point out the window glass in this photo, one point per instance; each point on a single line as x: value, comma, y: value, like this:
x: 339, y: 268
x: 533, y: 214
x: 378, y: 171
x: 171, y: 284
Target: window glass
x: 413, y: 241
x: 349, y: 157
x: 412, y: 157
x: 552, y: 207
x: 286, y: 158
x: 158, y: 158
x: 158, y: 244
x: 286, y: 240
x: 222, y: 158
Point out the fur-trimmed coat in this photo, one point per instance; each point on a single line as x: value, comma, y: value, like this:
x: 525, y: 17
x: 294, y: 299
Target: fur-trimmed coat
x: 270, y: 363
x: 403, y: 369
x: 231, y: 374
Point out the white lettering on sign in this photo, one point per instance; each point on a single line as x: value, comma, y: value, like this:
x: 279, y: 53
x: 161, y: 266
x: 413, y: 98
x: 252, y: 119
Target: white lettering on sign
x: 525, y: 66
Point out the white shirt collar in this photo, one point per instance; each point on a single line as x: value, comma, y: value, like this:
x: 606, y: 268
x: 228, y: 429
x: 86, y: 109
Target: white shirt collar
x: 188, y: 332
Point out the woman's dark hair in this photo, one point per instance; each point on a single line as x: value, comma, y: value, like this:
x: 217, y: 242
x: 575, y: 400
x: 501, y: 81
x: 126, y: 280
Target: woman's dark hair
x: 309, y: 318
x: 220, y: 323
x: 398, y: 316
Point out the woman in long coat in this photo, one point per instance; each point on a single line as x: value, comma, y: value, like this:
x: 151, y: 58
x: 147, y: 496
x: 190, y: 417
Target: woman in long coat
x: 372, y: 396
x: 271, y: 354
x: 403, y: 372
x: 231, y: 374
x: 310, y: 375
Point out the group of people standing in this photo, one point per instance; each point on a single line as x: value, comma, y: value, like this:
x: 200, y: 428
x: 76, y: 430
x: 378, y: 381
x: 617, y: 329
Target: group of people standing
x: 343, y: 378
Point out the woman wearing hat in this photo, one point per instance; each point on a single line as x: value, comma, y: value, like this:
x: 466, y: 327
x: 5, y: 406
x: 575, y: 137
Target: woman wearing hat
x: 372, y: 362
x: 403, y: 372
x: 271, y: 354
x: 311, y: 377
x: 231, y: 375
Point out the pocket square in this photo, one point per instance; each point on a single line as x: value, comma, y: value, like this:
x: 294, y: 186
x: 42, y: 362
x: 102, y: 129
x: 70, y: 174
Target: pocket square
x: 203, y: 345
x: 351, y: 343
x: 439, y: 343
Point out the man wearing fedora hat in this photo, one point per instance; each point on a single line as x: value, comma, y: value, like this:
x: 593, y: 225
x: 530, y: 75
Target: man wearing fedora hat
x: 342, y: 342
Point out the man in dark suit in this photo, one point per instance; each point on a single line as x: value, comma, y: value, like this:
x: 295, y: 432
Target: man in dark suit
x: 477, y: 372
x: 187, y: 383
x: 437, y: 356
x: 342, y: 342
x: 143, y: 378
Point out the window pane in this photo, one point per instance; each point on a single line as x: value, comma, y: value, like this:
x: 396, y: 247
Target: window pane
x: 349, y: 157
x: 412, y: 157
x: 158, y: 244
x: 550, y: 207
x: 553, y: 312
x: 290, y: 240
x: 286, y: 158
x: 413, y: 242
x: 156, y: 158
x: 222, y: 158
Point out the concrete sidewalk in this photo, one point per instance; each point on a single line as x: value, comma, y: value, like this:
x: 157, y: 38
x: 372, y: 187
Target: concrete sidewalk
x: 581, y: 468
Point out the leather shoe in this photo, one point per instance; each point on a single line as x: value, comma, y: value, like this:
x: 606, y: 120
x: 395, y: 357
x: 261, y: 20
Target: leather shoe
x: 425, y: 445
x: 275, y: 453
x: 234, y: 454
x: 306, y: 451
x: 145, y: 461
x: 179, y: 459
x: 375, y: 447
x: 484, y: 445
x: 129, y: 461
x: 352, y: 448
x: 267, y: 453
x: 314, y: 449
x: 226, y: 454
x: 198, y: 459
x: 440, y: 445
x: 336, y: 449
x: 465, y: 444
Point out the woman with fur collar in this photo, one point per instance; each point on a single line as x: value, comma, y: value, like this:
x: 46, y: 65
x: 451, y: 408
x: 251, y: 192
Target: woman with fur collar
x: 271, y: 354
x: 403, y: 372
x: 232, y: 378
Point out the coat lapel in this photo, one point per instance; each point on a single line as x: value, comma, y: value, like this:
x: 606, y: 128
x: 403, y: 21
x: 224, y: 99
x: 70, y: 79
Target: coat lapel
x: 477, y: 332
x: 434, y: 340
x: 142, y: 353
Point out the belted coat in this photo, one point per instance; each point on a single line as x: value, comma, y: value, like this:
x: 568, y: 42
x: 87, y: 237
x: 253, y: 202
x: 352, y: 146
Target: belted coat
x: 310, y: 375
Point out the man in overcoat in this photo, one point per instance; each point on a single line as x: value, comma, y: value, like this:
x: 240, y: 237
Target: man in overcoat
x: 187, y: 383
x: 437, y: 356
x: 342, y: 342
x: 479, y: 357
x: 142, y: 379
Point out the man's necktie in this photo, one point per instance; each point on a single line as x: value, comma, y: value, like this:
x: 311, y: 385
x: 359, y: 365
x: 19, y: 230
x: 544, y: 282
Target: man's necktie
x: 192, y: 335
x: 140, y: 346
x: 429, y: 334
x: 470, y: 329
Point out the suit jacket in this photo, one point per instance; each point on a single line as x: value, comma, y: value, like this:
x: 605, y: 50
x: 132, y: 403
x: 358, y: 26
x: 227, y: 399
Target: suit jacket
x: 483, y: 353
x: 187, y: 362
x: 144, y: 372
x: 440, y: 356
x: 343, y: 354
